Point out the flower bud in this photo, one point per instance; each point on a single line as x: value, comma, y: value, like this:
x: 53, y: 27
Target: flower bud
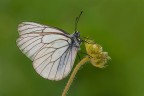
x: 98, y: 58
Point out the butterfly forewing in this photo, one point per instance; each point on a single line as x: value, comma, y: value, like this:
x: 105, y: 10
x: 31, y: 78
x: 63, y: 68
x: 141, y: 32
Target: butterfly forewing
x: 49, y: 48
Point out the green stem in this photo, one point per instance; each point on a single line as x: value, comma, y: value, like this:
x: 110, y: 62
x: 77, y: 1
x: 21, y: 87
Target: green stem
x: 82, y: 62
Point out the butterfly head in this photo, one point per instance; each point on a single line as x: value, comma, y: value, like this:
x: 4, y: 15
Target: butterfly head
x: 77, y: 34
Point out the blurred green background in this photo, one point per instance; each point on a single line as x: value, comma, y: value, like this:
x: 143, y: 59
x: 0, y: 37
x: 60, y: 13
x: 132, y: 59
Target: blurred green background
x: 118, y: 25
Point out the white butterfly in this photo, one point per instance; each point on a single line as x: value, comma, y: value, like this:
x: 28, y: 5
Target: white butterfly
x: 52, y: 50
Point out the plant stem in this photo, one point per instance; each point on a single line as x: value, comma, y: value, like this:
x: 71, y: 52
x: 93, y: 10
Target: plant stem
x: 82, y: 62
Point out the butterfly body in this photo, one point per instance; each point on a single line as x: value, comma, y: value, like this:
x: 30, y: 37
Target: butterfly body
x: 52, y: 50
x: 75, y: 39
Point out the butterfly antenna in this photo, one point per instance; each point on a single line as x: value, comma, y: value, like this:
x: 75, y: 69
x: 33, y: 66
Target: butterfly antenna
x: 77, y: 20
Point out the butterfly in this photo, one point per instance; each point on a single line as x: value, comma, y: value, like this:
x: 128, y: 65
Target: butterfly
x: 52, y: 50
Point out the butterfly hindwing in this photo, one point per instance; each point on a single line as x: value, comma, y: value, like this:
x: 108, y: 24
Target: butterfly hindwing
x: 55, y: 64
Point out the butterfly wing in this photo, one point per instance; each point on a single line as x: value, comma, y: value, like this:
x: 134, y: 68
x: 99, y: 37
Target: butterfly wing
x: 30, y: 27
x: 49, y: 49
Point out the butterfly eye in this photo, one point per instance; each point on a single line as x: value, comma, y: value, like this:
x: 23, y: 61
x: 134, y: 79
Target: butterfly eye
x: 77, y: 34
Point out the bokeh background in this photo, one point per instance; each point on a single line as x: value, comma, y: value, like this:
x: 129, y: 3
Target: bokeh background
x: 118, y: 25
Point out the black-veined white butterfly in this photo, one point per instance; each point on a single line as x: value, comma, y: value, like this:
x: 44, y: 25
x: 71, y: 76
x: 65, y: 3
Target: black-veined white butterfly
x: 52, y: 50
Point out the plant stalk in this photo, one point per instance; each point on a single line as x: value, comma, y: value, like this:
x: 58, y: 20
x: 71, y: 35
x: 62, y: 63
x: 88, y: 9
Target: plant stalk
x: 82, y: 62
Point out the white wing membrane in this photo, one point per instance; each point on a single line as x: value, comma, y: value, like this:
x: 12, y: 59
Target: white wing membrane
x: 49, y: 49
x: 29, y: 27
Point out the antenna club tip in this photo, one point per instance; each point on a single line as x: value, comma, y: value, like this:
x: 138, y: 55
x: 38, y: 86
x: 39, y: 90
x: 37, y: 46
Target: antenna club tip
x: 81, y: 12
